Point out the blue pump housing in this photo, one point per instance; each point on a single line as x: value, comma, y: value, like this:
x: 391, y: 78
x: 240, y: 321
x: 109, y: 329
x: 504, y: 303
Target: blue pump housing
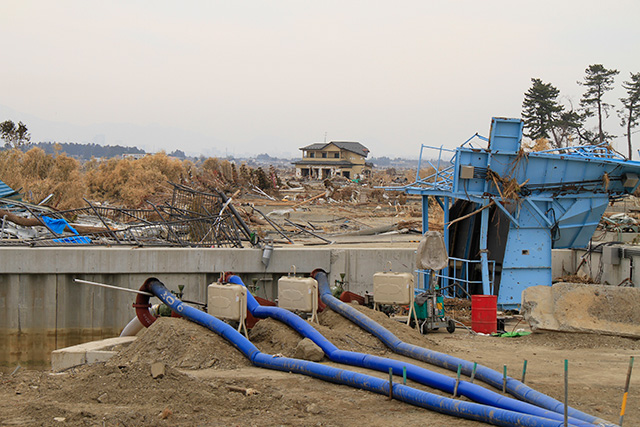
x: 522, y: 204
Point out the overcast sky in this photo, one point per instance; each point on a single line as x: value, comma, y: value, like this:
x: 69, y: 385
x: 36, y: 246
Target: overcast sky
x: 237, y: 77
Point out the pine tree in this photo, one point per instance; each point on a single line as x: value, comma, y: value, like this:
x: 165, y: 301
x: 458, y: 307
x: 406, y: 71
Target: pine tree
x: 630, y: 114
x: 540, y: 109
x: 598, y: 80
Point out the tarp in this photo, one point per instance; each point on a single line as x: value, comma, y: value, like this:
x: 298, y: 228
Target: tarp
x: 57, y: 225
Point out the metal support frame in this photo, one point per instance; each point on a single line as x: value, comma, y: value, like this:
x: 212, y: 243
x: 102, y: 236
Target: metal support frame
x: 559, y: 196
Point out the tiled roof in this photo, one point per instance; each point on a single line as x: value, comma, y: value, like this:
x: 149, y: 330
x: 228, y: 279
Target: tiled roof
x: 316, y: 146
x: 354, y: 147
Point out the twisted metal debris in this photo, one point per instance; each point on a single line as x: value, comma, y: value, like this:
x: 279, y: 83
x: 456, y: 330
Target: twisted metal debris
x: 192, y: 219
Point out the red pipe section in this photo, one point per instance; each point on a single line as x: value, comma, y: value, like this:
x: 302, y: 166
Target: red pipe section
x: 142, y: 304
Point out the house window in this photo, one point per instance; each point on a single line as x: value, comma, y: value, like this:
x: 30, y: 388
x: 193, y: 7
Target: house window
x: 336, y: 155
x: 324, y: 155
x: 311, y: 154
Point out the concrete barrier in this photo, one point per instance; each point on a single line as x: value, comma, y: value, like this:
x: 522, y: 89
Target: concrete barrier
x: 575, y: 307
x: 87, y: 353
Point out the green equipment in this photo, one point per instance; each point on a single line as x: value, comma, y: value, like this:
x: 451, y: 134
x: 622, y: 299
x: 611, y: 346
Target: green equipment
x: 431, y: 256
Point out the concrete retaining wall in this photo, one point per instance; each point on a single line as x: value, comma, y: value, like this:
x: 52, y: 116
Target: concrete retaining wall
x: 599, y: 267
x: 42, y: 308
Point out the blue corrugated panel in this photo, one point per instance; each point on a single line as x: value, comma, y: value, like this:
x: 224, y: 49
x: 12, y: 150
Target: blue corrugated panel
x: 5, y: 190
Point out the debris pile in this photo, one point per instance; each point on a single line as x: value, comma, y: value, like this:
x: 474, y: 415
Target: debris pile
x: 272, y: 205
x: 191, y: 219
x: 620, y: 223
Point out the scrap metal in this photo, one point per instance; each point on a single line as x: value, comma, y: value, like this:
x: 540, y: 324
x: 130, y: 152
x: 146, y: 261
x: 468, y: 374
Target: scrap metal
x: 192, y: 219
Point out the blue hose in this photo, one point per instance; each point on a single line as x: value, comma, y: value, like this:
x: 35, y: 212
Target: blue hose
x: 488, y: 375
x: 415, y: 373
x: 472, y: 411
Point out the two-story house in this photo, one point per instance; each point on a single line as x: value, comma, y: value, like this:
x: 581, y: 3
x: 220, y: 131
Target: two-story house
x: 334, y: 158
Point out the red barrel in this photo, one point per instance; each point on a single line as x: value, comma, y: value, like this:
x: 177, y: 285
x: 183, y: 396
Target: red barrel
x: 484, y: 313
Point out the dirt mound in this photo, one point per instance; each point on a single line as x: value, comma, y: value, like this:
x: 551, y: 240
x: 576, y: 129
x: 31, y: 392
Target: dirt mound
x: 123, y: 390
x: 273, y: 337
x: 181, y: 344
x: 93, y: 394
x: 347, y: 336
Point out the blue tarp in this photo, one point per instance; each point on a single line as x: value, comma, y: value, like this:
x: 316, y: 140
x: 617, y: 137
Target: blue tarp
x: 57, y: 225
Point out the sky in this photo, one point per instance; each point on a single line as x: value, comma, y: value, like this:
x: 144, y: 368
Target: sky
x: 250, y: 77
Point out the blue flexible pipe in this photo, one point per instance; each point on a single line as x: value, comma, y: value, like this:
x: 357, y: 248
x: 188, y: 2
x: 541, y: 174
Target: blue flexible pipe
x: 415, y: 373
x: 472, y: 411
x: 487, y: 375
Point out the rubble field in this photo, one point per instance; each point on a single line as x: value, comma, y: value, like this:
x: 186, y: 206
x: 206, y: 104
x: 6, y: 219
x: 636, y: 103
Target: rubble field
x: 206, y: 381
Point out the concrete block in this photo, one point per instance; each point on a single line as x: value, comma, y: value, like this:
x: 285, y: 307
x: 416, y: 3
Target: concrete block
x: 538, y: 308
x: 573, y: 307
x: 89, y: 352
x: 109, y: 343
x: 99, y: 356
x: 66, y: 358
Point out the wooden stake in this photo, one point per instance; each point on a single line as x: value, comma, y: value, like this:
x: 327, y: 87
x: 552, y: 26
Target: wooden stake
x: 390, y: 383
x: 473, y: 372
x: 455, y: 389
x: 504, y: 379
x: 626, y: 391
x: 524, y: 370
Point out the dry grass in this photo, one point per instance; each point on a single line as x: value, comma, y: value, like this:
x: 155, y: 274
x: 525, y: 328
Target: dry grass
x: 540, y: 144
x: 39, y: 174
x: 122, y: 182
x: 132, y: 182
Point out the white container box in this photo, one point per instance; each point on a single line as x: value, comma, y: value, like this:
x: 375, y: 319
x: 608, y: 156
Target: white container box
x: 298, y: 293
x: 393, y: 288
x: 227, y: 301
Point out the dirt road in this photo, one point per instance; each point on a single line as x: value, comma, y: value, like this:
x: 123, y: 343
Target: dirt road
x: 208, y: 382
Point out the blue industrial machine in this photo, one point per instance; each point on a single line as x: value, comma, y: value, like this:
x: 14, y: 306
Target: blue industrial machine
x: 505, y: 209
